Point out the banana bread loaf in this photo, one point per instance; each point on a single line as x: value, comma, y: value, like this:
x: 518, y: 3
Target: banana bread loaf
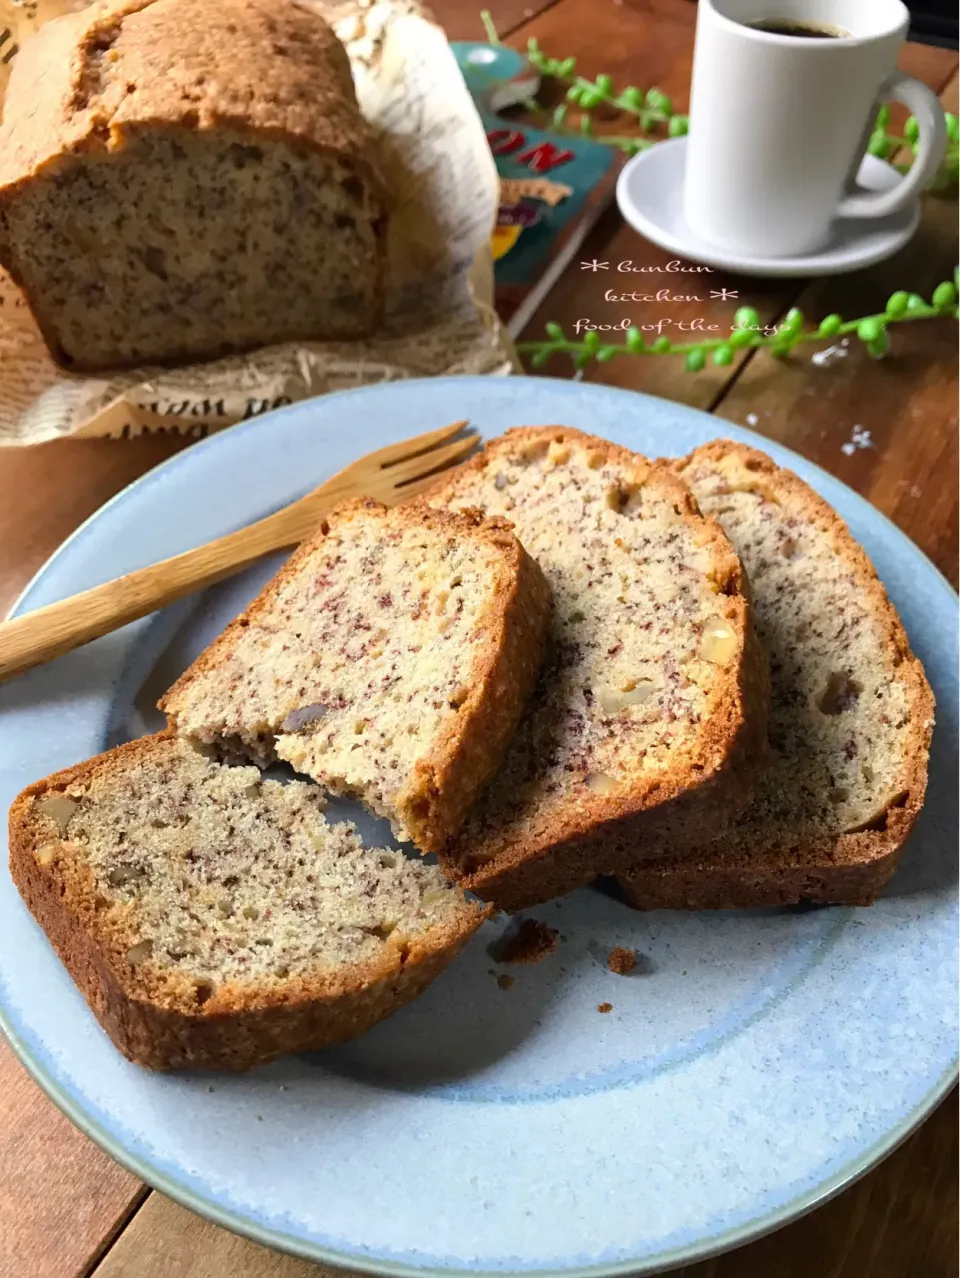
x: 389, y: 659
x: 648, y: 720
x: 180, y: 179
x: 851, y: 711
x: 213, y: 919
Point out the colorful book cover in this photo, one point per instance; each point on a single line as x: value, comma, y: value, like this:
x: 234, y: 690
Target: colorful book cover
x: 553, y: 186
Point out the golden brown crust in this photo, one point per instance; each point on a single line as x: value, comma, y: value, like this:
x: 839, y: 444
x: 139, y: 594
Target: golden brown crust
x: 730, y: 872
x: 714, y: 777
x: 88, y: 82
x: 467, y: 753
x: 195, y: 64
x: 470, y: 750
x: 158, y: 1023
x: 713, y: 883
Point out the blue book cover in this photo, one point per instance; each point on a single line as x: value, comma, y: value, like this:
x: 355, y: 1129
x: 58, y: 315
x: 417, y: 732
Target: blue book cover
x: 553, y: 186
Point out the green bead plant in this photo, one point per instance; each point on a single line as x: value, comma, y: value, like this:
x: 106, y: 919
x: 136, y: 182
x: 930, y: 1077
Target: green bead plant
x: 884, y: 144
x: 653, y: 112
x: 748, y: 333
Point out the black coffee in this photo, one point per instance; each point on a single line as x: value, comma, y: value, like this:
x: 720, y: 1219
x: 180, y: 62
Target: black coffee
x: 805, y: 30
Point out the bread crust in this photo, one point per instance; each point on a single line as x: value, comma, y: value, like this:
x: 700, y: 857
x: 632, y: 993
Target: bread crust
x: 714, y: 777
x: 852, y: 868
x: 260, y: 70
x: 712, y: 882
x: 466, y: 753
x: 157, y: 1022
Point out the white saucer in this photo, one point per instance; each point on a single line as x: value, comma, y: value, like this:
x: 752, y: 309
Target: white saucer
x: 650, y: 196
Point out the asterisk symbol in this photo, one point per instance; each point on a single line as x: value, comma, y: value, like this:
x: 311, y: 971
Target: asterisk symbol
x: 725, y: 294
x: 594, y: 266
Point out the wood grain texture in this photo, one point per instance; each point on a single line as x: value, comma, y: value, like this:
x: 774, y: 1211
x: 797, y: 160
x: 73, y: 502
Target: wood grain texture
x: 60, y: 1198
x: 48, y: 490
x: 461, y: 21
x: 164, y: 1240
x: 648, y: 43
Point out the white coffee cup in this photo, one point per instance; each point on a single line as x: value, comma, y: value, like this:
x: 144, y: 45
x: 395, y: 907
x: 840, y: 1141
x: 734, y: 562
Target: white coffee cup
x: 779, y: 123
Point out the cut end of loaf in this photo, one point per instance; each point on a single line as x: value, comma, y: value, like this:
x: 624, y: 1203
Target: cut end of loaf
x: 149, y: 251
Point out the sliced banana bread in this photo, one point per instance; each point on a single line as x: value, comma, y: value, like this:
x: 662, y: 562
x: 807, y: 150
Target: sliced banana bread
x: 648, y: 719
x: 851, y: 711
x: 180, y: 179
x: 213, y: 919
x: 389, y: 659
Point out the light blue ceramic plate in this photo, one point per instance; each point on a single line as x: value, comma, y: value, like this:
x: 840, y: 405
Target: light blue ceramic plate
x: 760, y: 1062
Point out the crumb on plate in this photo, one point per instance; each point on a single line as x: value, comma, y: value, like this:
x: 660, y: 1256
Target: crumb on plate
x: 622, y: 961
x: 524, y: 941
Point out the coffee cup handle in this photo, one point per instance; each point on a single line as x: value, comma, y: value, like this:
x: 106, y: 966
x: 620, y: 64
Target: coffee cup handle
x: 933, y: 139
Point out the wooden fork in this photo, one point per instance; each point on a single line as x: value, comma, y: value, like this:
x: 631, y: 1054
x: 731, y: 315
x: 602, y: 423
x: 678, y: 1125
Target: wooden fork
x: 390, y: 475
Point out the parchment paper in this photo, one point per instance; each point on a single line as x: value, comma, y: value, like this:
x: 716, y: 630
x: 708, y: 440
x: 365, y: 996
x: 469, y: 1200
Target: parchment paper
x: 439, y: 316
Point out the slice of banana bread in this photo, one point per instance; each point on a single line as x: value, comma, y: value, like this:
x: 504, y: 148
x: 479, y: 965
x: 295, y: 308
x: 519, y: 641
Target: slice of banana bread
x: 213, y: 919
x: 648, y: 719
x: 851, y: 711
x: 389, y: 659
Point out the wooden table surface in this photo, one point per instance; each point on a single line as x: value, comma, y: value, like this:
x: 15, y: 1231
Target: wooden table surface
x: 66, y: 1209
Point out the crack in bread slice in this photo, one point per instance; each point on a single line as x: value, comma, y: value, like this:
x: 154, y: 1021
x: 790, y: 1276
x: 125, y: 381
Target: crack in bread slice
x: 389, y: 660
x: 649, y: 717
x: 215, y: 919
x: 851, y: 711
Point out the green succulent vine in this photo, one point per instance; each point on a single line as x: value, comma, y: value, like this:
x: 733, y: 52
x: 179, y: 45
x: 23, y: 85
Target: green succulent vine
x: 884, y: 144
x: 749, y: 332
x: 653, y: 113
x: 651, y: 109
